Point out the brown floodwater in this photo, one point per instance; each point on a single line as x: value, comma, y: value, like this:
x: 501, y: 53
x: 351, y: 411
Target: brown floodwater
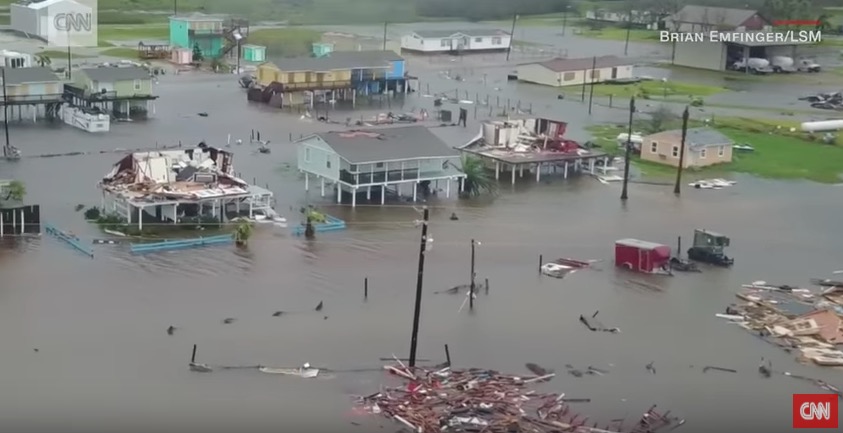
x: 105, y: 361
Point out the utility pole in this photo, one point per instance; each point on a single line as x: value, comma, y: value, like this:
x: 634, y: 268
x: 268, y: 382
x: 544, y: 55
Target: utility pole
x: 628, y: 29
x: 628, y: 153
x: 175, y: 7
x: 591, y: 91
x: 471, y: 290
x: 385, y: 24
x: 565, y: 19
x: 677, y: 188
x: 511, y: 35
x: 7, y: 147
x: 69, y: 66
x: 419, y: 282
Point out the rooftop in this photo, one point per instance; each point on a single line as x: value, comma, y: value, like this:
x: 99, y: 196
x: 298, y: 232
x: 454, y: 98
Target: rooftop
x: 715, y: 16
x: 565, y: 65
x: 116, y: 73
x: 386, y: 144
x: 197, y: 17
x: 15, y: 76
x: 185, y: 174
x: 696, y: 138
x: 637, y: 243
x: 337, y: 61
x: 430, y: 34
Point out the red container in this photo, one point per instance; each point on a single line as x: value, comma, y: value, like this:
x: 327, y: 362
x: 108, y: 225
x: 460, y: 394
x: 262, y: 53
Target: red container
x: 642, y: 256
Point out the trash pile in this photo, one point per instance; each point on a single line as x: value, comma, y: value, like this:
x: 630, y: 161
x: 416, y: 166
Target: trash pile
x: 479, y: 400
x: 807, y: 321
x: 825, y: 101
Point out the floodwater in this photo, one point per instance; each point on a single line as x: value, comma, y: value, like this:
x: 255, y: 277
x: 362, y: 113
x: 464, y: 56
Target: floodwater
x: 105, y: 361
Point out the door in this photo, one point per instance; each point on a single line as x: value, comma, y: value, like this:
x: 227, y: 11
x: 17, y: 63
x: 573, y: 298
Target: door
x: 643, y: 261
x: 614, y: 73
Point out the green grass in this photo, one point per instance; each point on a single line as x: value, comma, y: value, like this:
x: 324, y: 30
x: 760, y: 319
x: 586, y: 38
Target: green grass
x: 286, y: 42
x: 619, y: 34
x: 58, y: 54
x: 148, y: 32
x: 127, y: 53
x: 779, y: 152
x: 657, y: 90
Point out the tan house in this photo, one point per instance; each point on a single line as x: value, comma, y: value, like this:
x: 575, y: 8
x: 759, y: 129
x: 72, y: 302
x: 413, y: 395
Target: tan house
x: 704, y: 147
x: 575, y: 72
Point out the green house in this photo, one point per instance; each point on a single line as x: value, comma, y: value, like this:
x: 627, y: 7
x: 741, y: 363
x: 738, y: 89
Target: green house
x: 254, y: 53
x: 204, y: 31
x: 126, y: 89
x: 322, y: 49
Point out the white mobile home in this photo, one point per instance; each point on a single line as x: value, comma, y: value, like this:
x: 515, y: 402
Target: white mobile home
x: 570, y: 72
x: 445, y: 41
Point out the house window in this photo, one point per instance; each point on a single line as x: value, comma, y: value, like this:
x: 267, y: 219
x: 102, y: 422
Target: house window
x: 478, y: 39
x: 721, y: 151
x: 328, y: 164
x: 137, y: 84
x: 306, y: 154
x: 702, y: 153
x: 569, y: 76
x: 675, y: 152
x: 496, y: 40
x: 654, y: 147
x: 379, y: 165
x: 352, y: 167
x: 445, y: 43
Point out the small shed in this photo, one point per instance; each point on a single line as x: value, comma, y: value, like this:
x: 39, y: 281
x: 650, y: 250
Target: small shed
x: 181, y: 56
x: 642, y: 256
x: 254, y: 53
x: 322, y: 49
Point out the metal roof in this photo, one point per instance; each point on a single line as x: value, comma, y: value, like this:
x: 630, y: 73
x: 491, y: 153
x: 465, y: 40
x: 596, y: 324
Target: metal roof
x: 712, y: 16
x: 696, y: 138
x: 431, y: 34
x: 386, y: 144
x: 338, y: 60
x: 15, y: 76
x: 43, y: 4
x: 197, y: 18
x: 111, y: 73
x: 636, y: 243
x: 565, y: 65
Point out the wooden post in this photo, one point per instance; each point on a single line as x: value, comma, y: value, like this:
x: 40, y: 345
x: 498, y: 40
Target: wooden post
x: 471, y: 290
x: 366, y: 288
x: 193, y: 356
x: 447, y: 355
x: 419, y: 283
x: 487, y: 286
x: 541, y: 259
x: 628, y: 152
x: 677, y: 189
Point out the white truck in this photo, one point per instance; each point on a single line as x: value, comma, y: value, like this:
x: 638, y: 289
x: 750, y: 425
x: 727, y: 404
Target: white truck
x: 786, y: 65
x: 753, y: 65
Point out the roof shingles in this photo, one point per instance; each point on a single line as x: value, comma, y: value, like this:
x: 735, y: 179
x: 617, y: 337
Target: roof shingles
x: 386, y: 144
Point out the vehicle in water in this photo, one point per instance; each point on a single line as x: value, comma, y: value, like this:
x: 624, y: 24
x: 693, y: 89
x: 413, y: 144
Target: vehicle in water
x: 709, y: 248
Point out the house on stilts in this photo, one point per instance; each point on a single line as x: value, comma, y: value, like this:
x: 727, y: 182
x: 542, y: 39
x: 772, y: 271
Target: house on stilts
x: 177, y: 186
x: 379, y: 162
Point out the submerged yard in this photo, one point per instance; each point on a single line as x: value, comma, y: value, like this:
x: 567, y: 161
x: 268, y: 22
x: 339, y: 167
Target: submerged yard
x: 779, y: 152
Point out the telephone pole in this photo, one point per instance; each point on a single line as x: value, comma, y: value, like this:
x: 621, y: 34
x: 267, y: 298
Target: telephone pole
x: 472, y: 287
x: 628, y: 153
x: 419, y: 282
x: 678, y: 187
x: 385, y: 25
x: 69, y: 66
x: 511, y: 35
x: 628, y: 29
x: 7, y: 149
x: 591, y: 91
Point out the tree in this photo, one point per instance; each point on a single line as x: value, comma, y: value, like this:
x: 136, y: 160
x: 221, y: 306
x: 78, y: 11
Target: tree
x: 197, y: 53
x: 659, y: 118
x: 43, y: 61
x: 242, y: 233
x: 15, y: 190
x: 477, y: 179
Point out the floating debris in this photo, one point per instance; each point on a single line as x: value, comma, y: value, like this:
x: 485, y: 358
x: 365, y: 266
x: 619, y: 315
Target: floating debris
x: 479, y: 400
x: 594, y: 325
x: 171, y: 330
x: 727, y: 370
x: 229, y: 320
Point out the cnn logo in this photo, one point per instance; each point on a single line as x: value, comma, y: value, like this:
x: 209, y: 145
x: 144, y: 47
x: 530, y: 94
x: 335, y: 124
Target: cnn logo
x: 815, y: 411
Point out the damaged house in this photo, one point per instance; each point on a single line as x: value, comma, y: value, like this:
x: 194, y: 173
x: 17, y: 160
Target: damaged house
x: 167, y: 186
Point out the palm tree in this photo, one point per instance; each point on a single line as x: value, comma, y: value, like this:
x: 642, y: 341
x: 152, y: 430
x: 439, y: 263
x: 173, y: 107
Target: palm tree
x: 477, y: 179
x: 243, y: 233
x: 15, y: 190
x: 43, y: 60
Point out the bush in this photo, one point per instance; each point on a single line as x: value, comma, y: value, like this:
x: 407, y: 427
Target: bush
x: 697, y: 102
x: 93, y: 214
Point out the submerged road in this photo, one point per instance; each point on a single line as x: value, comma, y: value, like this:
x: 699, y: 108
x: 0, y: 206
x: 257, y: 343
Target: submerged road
x: 105, y: 360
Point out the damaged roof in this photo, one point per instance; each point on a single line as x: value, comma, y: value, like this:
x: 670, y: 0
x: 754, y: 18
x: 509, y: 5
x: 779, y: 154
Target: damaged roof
x: 386, y: 144
x: 696, y: 138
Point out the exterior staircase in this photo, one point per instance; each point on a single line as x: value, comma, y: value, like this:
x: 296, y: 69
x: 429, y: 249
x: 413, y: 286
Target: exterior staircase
x: 231, y: 30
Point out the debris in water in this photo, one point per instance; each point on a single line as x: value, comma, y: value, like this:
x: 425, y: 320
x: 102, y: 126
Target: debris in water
x: 200, y: 368
x: 650, y: 367
x: 277, y: 314
x: 537, y: 369
x: 202, y: 114
x: 319, y: 307
x: 594, y: 325
x: 35, y: 350
x: 454, y: 217
x: 765, y: 370
x: 727, y: 370
x: 229, y: 320
x: 171, y: 330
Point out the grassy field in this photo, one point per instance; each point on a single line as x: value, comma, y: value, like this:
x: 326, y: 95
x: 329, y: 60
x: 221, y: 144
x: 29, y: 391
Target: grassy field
x: 122, y: 52
x: 58, y: 54
x: 779, y: 152
x: 655, y: 90
x: 149, y: 32
x: 619, y: 34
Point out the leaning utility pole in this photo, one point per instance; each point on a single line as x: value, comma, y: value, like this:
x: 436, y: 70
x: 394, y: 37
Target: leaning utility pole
x: 591, y: 91
x: 677, y: 187
x: 7, y: 148
x: 471, y: 289
x: 628, y: 153
x: 628, y: 29
x: 69, y: 66
x: 419, y: 281
x: 511, y: 35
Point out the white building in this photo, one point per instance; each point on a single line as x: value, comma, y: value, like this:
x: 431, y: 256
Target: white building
x: 572, y: 72
x: 14, y: 59
x: 30, y: 17
x: 444, y: 41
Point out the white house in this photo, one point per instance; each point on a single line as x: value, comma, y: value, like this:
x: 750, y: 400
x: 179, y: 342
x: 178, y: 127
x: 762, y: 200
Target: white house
x: 571, y: 72
x: 30, y: 17
x: 14, y: 59
x: 443, y: 41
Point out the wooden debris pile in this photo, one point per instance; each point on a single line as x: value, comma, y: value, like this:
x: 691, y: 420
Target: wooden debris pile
x: 478, y: 400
